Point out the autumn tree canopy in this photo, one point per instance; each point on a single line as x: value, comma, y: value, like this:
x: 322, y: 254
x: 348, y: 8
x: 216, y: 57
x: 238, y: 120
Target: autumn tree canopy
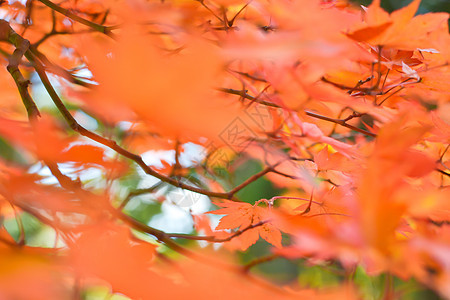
x: 223, y: 149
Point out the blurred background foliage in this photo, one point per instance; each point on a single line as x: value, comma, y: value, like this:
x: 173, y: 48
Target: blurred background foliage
x: 425, y: 5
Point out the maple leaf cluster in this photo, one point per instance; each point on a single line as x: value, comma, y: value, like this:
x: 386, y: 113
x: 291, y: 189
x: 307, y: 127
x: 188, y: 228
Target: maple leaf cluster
x: 168, y: 149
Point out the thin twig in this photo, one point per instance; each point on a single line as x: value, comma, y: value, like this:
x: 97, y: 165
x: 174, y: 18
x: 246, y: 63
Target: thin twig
x: 443, y: 172
x: 213, y: 238
x: 308, y: 208
x: 97, y: 27
x: 252, y: 179
x: 244, y: 94
x: 259, y: 261
x: 340, y: 122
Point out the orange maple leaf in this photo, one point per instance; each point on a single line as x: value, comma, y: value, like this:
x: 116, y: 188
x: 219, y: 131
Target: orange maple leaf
x: 398, y: 30
x: 245, y: 216
x: 109, y: 251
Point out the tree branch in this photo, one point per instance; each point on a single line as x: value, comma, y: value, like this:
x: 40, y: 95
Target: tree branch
x: 40, y: 69
x: 341, y: 122
x: 22, y: 48
x: 97, y: 27
x: 251, y: 179
x: 22, y: 45
x: 107, y: 142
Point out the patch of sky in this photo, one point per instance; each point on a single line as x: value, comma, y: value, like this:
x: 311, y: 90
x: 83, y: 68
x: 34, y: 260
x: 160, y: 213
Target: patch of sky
x: 172, y: 219
x: 67, y: 22
x: 39, y: 93
x: 86, y: 120
x: 179, y: 204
